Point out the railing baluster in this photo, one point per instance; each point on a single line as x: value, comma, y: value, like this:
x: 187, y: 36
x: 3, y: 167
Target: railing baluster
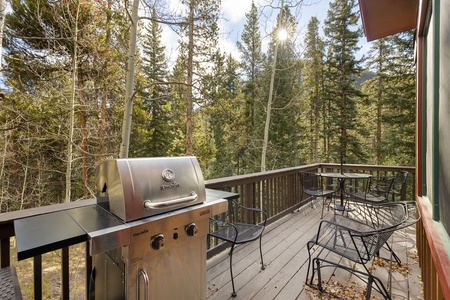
x: 65, y: 272
x: 88, y: 270
x: 37, y: 271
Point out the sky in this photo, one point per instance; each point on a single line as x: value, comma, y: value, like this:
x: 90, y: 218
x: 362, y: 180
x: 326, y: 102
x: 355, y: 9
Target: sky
x: 233, y: 21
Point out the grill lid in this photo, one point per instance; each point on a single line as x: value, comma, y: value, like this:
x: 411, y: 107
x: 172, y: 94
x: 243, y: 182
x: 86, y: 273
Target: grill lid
x: 134, y: 188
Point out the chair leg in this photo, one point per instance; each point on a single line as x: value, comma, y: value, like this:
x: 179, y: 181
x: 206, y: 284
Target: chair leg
x: 323, y: 206
x: 310, y: 266
x: 263, y: 267
x: 369, y: 288
x: 231, y: 271
x: 319, y: 276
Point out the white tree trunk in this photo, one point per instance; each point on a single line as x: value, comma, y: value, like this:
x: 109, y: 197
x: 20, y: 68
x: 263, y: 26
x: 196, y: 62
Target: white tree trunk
x: 2, y: 23
x: 128, y: 112
x: 72, y: 112
x: 269, y: 101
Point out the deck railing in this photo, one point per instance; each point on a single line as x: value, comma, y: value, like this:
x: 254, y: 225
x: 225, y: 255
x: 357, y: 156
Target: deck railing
x: 278, y: 192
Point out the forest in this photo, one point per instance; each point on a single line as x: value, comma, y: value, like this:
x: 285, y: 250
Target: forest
x: 73, y: 71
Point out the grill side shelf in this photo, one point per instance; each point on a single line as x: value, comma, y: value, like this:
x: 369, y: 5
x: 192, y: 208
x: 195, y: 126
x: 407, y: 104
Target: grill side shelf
x: 44, y: 233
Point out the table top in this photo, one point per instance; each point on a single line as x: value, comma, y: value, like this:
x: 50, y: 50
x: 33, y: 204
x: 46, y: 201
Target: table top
x: 345, y: 175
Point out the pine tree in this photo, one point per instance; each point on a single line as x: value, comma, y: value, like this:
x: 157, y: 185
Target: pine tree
x: 375, y: 88
x: 157, y: 134
x: 178, y: 91
x: 251, y: 64
x: 391, y: 113
x: 312, y: 83
x: 398, y: 117
x: 224, y: 110
x: 342, y: 69
x: 201, y: 41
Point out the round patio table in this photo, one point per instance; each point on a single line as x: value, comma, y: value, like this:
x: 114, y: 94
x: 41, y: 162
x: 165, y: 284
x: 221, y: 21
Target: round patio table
x: 341, y: 177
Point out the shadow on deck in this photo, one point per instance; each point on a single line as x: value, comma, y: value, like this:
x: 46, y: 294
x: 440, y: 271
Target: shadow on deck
x: 286, y: 258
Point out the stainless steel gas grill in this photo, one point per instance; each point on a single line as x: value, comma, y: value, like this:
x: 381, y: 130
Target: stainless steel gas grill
x: 147, y: 232
x: 136, y: 188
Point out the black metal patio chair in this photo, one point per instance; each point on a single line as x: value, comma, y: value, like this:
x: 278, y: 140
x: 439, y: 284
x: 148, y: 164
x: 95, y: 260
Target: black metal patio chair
x: 372, y: 191
x: 357, y: 241
x: 237, y: 232
x: 398, y: 183
x: 374, y: 217
x: 312, y: 185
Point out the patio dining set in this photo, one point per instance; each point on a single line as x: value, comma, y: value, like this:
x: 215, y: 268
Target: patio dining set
x: 366, y: 213
x: 363, y: 222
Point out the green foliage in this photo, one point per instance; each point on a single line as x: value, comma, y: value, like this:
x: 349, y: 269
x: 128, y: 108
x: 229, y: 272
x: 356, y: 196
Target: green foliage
x: 344, y: 129
x: 323, y: 102
x: 153, y: 132
x: 392, y: 95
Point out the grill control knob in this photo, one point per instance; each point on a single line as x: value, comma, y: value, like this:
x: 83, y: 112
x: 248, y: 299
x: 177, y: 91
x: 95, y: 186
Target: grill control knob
x: 191, y: 229
x: 158, y: 241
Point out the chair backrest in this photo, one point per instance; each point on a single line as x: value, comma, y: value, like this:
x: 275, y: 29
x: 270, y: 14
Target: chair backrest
x: 310, y: 181
x: 372, y: 243
x: 399, y: 181
x: 358, y: 185
x: 388, y: 215
x: 382, y: 186
x: 367, y: 238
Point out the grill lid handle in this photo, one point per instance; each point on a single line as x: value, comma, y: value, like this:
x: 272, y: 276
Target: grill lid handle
x: 148, y: 204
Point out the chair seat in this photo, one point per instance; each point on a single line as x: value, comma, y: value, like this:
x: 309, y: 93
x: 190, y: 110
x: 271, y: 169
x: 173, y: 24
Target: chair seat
x: 246, y: 232
x: 318, y: 192
x: 335, y: 236
x: 370, y: 198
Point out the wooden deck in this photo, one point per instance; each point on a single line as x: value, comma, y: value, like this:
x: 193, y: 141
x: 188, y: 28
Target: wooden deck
x: 286, y: 258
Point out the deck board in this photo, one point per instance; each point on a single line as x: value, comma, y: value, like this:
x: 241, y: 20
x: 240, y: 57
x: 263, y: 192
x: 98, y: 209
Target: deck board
x: 286, y: 259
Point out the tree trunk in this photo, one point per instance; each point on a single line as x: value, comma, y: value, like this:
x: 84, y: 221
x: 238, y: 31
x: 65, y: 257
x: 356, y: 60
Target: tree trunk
x: 379, y: 100
x: 269, y: 101
x: 72, y: 113
x: 268, y: 112
x: 102, y: 121
x: 190, y: 66
x: 128, y: 111
x: 2, y: 23
x: 83, y: 137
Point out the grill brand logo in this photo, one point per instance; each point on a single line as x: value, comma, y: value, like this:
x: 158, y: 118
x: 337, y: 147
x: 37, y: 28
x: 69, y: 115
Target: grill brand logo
x: 205, y: 212
x: 170, y: 186
x: 140, y: 232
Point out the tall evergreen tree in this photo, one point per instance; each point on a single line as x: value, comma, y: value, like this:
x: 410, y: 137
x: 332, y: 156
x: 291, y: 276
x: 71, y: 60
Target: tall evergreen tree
x: 178, y: 91
x: 201, y: 40
x: 391, y: 114
x: 375, y: 89
x: 400, y: 93
x: 224, y: 110
x: 342, y: 35
x: 157, y: 133
x: 312, y: 83
x: 251, y: 64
